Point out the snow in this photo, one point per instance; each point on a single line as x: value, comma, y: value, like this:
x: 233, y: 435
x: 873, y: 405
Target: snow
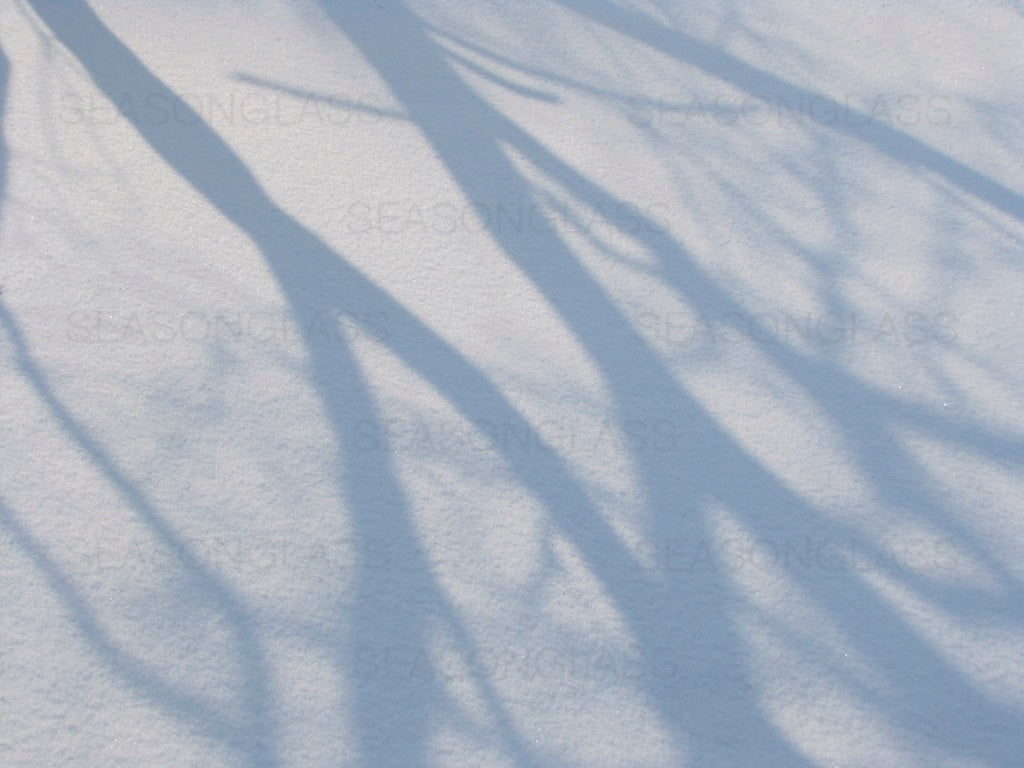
x: 605, y: 383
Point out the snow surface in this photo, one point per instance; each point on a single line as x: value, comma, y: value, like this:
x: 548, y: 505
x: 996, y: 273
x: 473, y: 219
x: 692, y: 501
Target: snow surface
x: 571, y: 383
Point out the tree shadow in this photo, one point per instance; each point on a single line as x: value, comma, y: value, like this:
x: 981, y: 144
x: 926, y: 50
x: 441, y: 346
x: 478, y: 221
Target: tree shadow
x: 862, y: 128
x: 252, y: 734
x: 475, y: 146
x: 709, y: 703
x: 392, y: 608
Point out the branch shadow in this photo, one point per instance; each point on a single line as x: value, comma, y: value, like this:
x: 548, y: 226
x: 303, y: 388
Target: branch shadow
x: 676, y: 486
x: 709, y: 704
x: 862, y: 128
x: 253, y: 735
x: 714, y: 465
x: 391, y: 608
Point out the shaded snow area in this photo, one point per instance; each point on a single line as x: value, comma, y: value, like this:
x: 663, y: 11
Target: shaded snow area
x: 597, y: 383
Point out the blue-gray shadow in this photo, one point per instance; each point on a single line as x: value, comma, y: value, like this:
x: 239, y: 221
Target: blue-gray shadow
x: 857, y: 126
x: 470, y: 139
x: 251, y: 735
x: 707, y: 696
x: 867, y: 416
x: 392, y: 607
x: 396, y: 607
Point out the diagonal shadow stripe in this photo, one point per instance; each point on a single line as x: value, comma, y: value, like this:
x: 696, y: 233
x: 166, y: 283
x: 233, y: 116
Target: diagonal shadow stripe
x: 313, y: 275
x: 713, y: 465
x: 295, y: 255
x: 253, y: 736
x: 885, y: 139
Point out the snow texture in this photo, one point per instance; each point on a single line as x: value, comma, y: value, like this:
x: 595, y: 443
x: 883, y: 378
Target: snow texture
x: 401, y: 383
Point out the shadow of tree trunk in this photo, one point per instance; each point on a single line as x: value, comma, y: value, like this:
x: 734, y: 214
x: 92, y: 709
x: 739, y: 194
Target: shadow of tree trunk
x: 474, y: 141
x: 709, y: 704
x: 390, y: 608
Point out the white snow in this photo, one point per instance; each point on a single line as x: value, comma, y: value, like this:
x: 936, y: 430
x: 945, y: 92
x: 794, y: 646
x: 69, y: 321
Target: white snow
x: 573, y: 383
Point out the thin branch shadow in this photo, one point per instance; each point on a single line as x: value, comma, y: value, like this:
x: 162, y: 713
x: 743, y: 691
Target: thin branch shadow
x: 311, y: 275
x: 885, y: 139
x: 322, y: 98
x: 712, y: 466
x: 254, y: 735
